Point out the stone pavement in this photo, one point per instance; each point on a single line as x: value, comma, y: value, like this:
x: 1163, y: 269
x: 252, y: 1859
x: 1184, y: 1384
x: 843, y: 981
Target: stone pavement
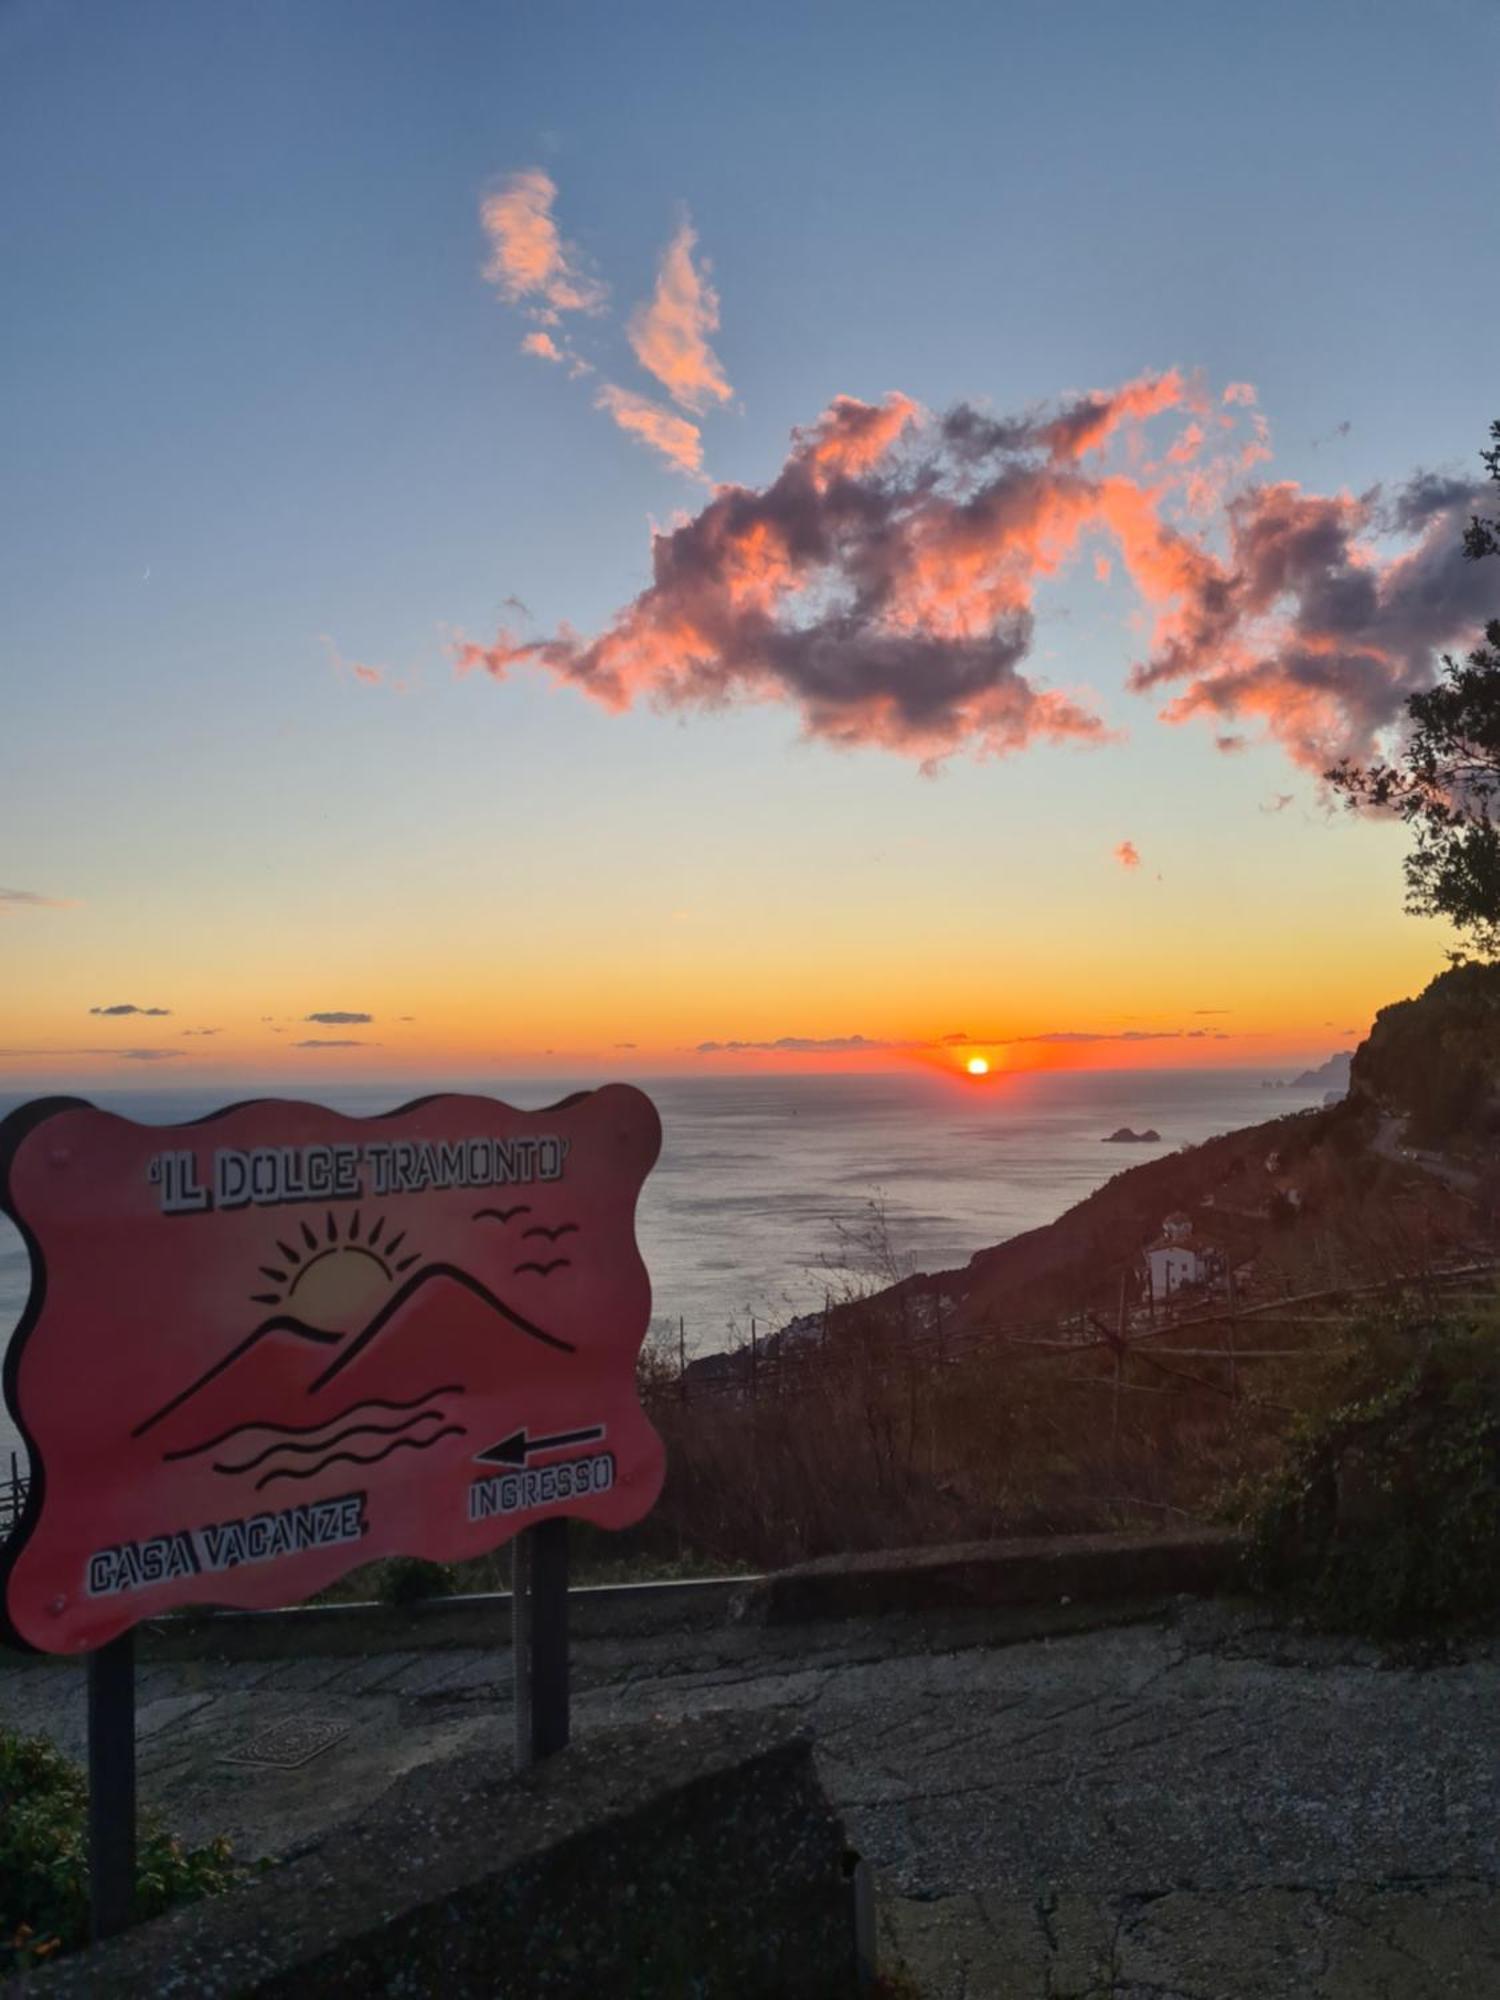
x: 1195, y: 1808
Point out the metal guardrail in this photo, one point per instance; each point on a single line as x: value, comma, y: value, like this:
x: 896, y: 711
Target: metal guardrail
x: 13, y: 1490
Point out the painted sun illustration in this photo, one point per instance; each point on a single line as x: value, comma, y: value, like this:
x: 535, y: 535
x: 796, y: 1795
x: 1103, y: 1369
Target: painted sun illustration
x: 332, y: 1277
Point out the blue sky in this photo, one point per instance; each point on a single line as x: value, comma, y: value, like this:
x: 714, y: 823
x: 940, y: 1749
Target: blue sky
x: 257, y: 394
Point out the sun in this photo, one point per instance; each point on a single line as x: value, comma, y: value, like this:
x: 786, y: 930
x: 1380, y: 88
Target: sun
x: 333, y: 1276
x: 978, y: 1066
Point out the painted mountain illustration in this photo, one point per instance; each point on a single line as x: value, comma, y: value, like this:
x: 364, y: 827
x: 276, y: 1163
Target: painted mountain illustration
x: 427, y: 1364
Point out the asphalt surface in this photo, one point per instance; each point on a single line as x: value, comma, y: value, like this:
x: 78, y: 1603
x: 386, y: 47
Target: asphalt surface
x: 1196, y: 1808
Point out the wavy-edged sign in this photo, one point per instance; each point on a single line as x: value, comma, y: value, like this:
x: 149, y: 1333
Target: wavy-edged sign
x: 276, y: 1343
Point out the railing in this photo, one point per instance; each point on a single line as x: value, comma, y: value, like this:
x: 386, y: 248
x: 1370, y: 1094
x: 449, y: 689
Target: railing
x: 774, y: 1368
x: 14, y: 1487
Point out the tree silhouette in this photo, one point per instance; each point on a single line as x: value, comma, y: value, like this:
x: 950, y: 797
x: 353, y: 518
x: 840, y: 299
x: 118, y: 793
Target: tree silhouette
x: 1446, y: 783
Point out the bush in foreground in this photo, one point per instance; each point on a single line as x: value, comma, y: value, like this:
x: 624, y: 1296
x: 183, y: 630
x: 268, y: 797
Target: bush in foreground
x: 1384, y: 1516
x: 411, y: 1579
x: 44, y: 1885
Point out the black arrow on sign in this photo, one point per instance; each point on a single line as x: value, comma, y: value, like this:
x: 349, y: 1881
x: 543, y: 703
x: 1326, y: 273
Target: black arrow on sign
x: 518, y: 1447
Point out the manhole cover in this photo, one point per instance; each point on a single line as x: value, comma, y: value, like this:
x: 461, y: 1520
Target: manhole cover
x: 288, y: 1744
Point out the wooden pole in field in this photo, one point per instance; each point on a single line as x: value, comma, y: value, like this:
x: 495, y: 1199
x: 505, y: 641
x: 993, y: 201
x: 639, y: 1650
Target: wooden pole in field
x: 1120, y: 1339
x: 1234, y: 1380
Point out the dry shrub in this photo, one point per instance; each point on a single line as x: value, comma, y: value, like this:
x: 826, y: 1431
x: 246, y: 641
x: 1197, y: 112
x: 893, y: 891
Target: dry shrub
x: 864, y: 1446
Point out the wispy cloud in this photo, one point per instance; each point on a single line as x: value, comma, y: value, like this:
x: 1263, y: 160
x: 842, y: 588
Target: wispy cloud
x: 679, y: 442
x: 12, y: 900
x: 1187, y: 446
x: 803, y: 1045
x: 1127, y: 854
x: 529, y: 263
x: 200, y: 1031
x: 346, y: 1043
x: 357, y: 669
x: 670, y: 333
x: 338, y: 1017
x: 537, y: 272
x: 1078, y: 1035
x: 128, y: 1007
x: 109, y: 1055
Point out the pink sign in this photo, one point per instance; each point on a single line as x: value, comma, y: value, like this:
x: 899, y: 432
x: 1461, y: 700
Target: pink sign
x: 269, y: 1346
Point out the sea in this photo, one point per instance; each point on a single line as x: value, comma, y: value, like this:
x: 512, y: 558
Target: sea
x: 773, y: 1191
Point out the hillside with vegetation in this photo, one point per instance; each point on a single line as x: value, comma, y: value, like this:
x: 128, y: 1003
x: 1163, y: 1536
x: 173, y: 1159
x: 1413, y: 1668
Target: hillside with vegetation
x: 1044, y: 1388
x: 1435, y: 1061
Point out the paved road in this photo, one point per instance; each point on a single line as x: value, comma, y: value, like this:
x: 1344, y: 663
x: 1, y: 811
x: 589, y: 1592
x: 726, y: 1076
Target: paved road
x: 1390, y: 1143
x: 1198, y: 1808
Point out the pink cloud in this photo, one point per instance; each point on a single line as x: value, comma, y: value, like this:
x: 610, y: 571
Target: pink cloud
x: 1257, y: 449
x: 1090, y: 423
x: 1187, y: 446
x: 370, y: 676
x: 529, y: 262
x: 882, y: 584
x: 670, y: 335
x: 1127, y: 855
x: 1084, y: 424
x: 679, y: 442
x: 543, y: 346
x: 1239, y: 392
x: 1302, y: 624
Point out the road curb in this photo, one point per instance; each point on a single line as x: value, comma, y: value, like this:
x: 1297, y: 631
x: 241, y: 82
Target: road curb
x: 1085, y: 1578
x: 482, y: 1619
x: 1047, y: 1570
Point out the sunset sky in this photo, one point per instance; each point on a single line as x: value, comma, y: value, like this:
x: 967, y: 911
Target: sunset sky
x: 1056, y: 422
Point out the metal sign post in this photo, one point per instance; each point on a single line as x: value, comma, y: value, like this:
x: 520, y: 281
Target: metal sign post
x: 111, y: 1706
x: 539, y: 1641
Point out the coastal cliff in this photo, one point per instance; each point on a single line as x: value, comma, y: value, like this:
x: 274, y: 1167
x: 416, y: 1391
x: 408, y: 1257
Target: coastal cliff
x: 1410, y: 1160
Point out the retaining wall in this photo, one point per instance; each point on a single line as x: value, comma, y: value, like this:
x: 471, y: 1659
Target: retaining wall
x: 701, y: 1858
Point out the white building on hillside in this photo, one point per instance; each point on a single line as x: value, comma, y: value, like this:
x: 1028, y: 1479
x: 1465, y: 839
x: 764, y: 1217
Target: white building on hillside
x: 1178, y: 1259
